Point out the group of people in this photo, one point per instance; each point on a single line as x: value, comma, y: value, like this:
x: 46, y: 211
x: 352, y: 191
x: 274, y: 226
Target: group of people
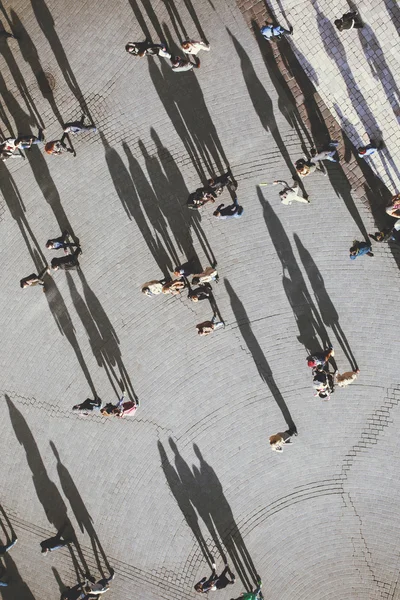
x: 178, y: 63
x: 124, y: 407
x: 211, y: 191
x: 219, y: 582
x: 69, y: 262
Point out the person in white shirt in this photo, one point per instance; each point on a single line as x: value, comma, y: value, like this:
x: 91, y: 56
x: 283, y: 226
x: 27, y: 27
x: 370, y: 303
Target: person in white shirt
x: 290, y: 194
x: 192, y: 47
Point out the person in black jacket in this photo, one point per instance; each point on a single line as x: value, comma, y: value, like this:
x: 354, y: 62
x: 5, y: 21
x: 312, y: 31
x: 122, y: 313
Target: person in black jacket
x: 349, y: 20
x: 215, y: 582
x: 67, y: 263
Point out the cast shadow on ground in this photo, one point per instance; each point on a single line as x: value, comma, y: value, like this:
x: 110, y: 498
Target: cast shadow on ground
x: 257, y: 353
x: 199, y: 493
x: 47, y: 492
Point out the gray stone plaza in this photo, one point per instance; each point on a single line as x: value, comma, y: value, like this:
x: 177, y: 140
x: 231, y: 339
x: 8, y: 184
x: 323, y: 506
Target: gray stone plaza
x: 191, y: 475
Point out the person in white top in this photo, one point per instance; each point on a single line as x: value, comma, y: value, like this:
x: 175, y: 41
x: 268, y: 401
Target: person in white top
x: 192, y: 47
x: 290, y: 194
x: 279, y: 440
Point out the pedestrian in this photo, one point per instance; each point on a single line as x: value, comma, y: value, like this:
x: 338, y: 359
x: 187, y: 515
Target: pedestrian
x: 61, y: 242
x: 215, y: 582
x: 346, y: 378
x: 204, y: 292
x: 199, y: 198
x: 349, y: 20
x: 34, y: 279
x: 322, y: 382
x: 78, y: 126
x: 153, y: 288
x: 388, y: 234
x: 7, y: 149
x: 179, y: 64
x: 122, y: 407
x: 394, y: 207
x: 174, y: 287
x: 102, y: 586
x: 255, y: 595
x: 279, y: 440
x: 368, y: 150
x: 320, y: 358
x: 147, y: 48
x: 290, y: 194
x: 231, y: 211
x: 209, y: 274
x: 7, y: 547
x: 25, y: 142
x: 186, y: 269
x: 208, y: 327
x: 54, y: 543
x: 216, y: 185
x: 87, y: 406
x: 273, y: 32
x: 306, y: 167
x: 67, y: 263
x: 192, y: 47
x: 360, y: 248
x: 330, y: 153
x: 57, y: 147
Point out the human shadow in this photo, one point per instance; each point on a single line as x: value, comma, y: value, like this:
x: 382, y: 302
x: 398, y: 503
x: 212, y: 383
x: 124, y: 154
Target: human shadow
x: 46, y: 491
x: 81, y: 513
x: 17, y: 587
x: 257, y: 353
x: 31, y: 56
x: 312, y: 332
x: 262, y: 104
x: 47, y: 25
x: 110, y: 351
x: 327, y: 310
x: 393, y: 9
x: 66, y: 327
x: 200, y: 488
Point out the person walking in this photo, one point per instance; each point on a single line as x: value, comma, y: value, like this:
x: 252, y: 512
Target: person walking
x: 153, y: 288
x: 346, y: 378
x: 279, y: 440
x: 350, y: 20
x: 78, y: 126
x: 273, y: 32
x: 98, y: 588
x: 88, y: 406
x: 57, y: 147
x: 192, y: 47
x: 54, y: 543
x: 393, y: 209
x: 7, y: 547
x: 208, y: 327
x: 369, y: 149
x: 199, y: 198
x: 215, y: 582
x: 174, y: 287
x: 322, y: 382
x: 61, y: 242
x: 232, y: 211
x: 25, y: 142
x: 34, y: 279
x: 147, y: 48
x: 320, y: 358
x: 290, y: 194
x: 216, y: 185
x: 359, y: 249
x: 209, y: 274
x: 254, y: 595
x: 118, y: 410
x: 67, y: 263
x: 204, y: 292
x: 330, y: 153
x: 179, y: 64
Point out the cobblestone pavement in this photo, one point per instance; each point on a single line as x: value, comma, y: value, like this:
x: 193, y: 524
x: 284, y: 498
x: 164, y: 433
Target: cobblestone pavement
x: 191, y: 475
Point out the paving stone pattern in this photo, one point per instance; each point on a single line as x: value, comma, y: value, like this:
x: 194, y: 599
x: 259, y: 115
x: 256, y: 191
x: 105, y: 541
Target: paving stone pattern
x: 191, y: 475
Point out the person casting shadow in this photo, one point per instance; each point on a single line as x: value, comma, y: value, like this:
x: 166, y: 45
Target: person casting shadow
x: 326, y: 308
x: 80, y: 511
x: 257, y: 353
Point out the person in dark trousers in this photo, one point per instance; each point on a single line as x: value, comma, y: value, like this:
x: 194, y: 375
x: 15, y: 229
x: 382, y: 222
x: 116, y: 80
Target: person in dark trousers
x: 199, y: 198
x: 359, y: 249
x: 34, y: 279
x: 147, y: 48
x: 54, y: 543
x: 217, y: 185
x: 389, y: 234
x: 87, y: 406
x: 25, y: 142
x: 179, y: 64
x: 231, y: 211
x: 215, y: 582
x: 273, y: 32
x: 67, y: 263
x: 208, y: 327
x: 320, y: 358
x: 279, y: 440
x: 78, y: 126
x: 204, y: 292
x: 61, y: 242
x: 57, y: 147
x: 349, y: 20
x: 3, y: 550
x: 100, y: 587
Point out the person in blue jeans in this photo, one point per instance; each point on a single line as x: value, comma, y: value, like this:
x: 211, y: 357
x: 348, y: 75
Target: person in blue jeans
x: 360, y: 248
x: 231, y: 211
x: 3, y: 550
x: 274, y: 32
x: 61, y: 242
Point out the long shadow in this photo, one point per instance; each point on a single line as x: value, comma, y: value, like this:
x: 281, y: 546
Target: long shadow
x: 326, y: 308
x: 312, y: 333
x: 17, y: 209
x: 47, y: 25
x: 257, y: 353
x: 393, y: 9
x: 111, y: 352
x: 127, y: 193
x: 80, y: 511
x: 200, y: 489
x: 179, y: 191
x: 31, y: 56
x: 178, y: 489
x: 262, y: 104
x: 17, y: 587
x: 65, y: 326
x: 46, y: 491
